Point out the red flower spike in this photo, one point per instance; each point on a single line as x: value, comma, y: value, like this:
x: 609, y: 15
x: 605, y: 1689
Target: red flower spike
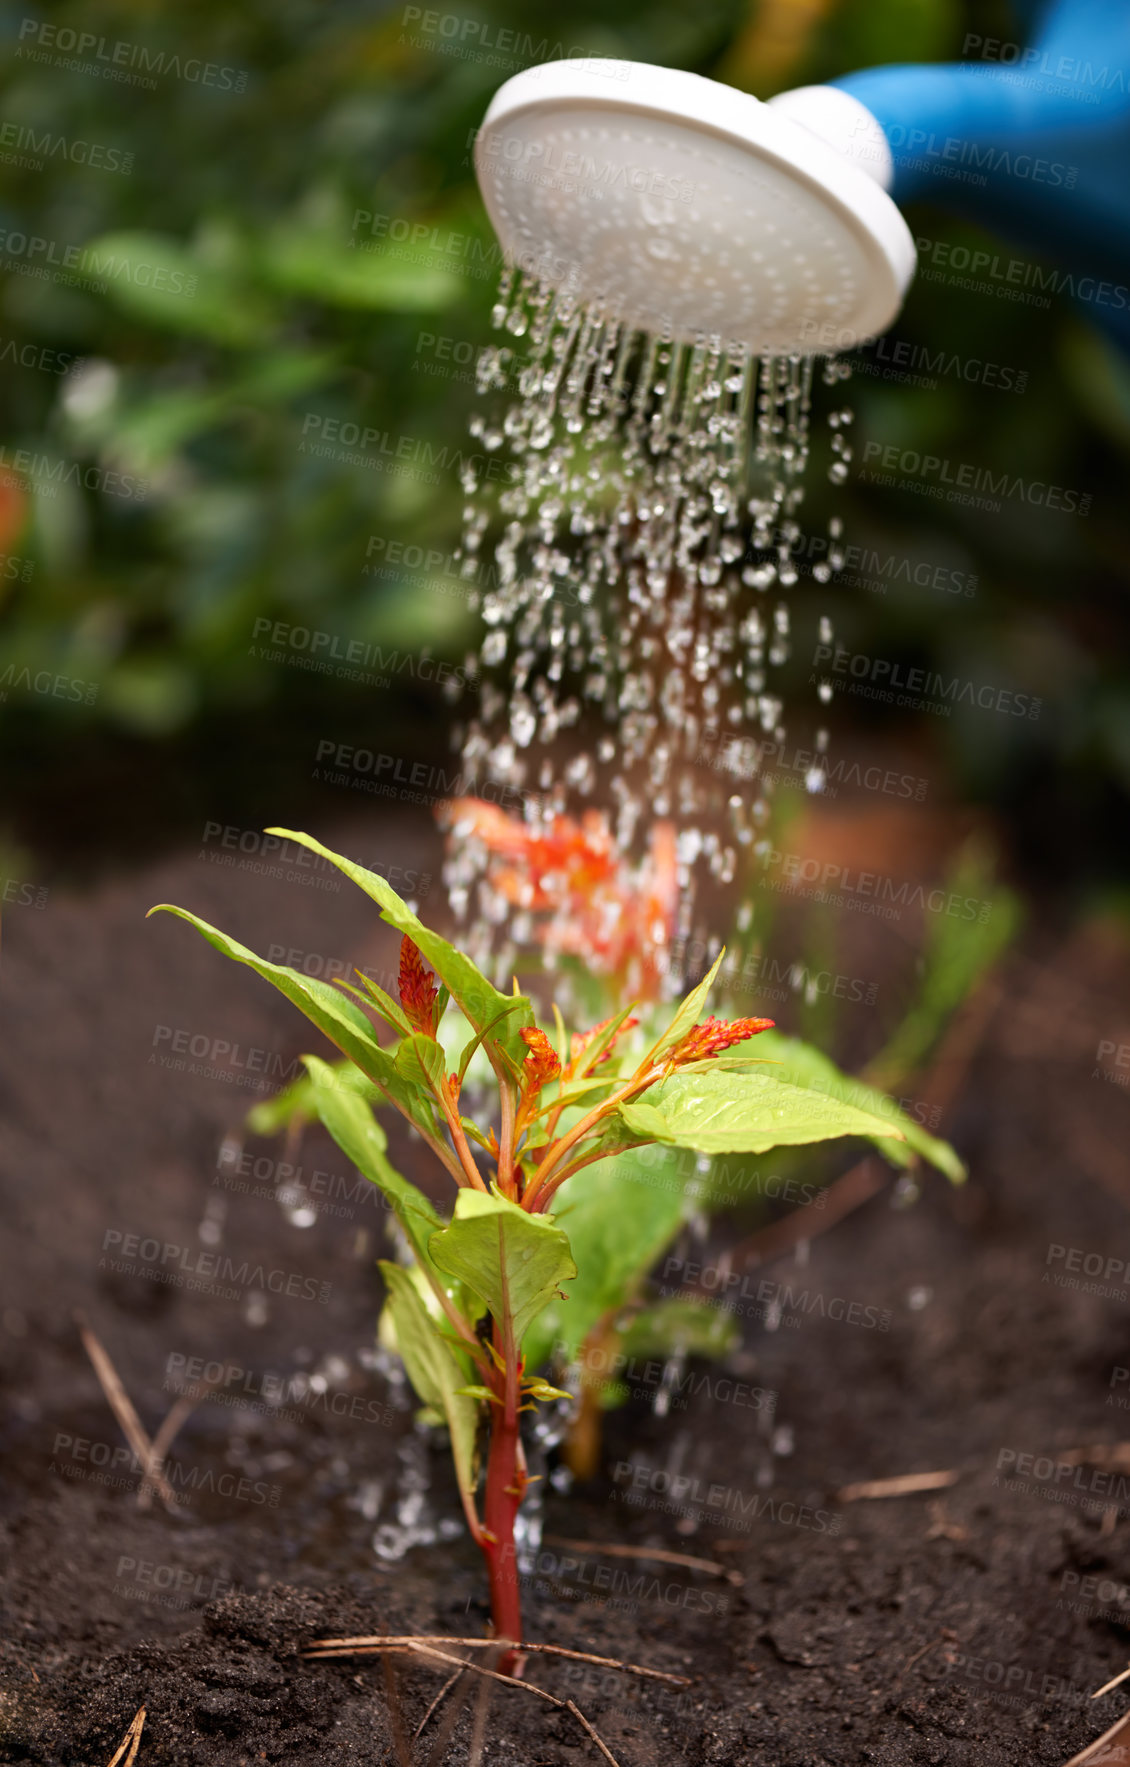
x: 580, y: 1041
x: 542, y: 1063
x: 704, y: 1041
x: 418, y: 991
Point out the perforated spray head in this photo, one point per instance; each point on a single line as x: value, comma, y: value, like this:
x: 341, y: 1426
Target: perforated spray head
x: 679, y: 204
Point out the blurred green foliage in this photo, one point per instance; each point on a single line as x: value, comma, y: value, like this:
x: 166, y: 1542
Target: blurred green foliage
x: 299, y: 209
x: 956, y: 957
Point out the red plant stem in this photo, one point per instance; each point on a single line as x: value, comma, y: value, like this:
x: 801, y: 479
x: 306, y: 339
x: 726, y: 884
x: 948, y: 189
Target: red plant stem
x: 505, y: 1488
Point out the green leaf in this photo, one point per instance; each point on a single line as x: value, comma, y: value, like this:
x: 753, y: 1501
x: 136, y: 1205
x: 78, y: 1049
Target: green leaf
x: 802, y: 1065
x: 730, y: 1111
x: 592, y: 1054
x: 474, y: 1042
x: 541, y: 1390
x: 342, y: 1022
x: 159, y: 280
x: 436, y: 1370
x: 480, y: 1393
x: 385, y: 1004
x: 578, y: 1092
x: 620, y: 1216
x: 689, y: 1013
x: 480, y: 1002
x: 512, y: 1261
x: 329, y: 1009
x: 361, y: 1139
x: 613, y: 1136
x: 420, y: 1061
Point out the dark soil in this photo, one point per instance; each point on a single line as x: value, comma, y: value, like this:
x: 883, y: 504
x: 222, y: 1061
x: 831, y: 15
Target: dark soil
x: 954, y: 1627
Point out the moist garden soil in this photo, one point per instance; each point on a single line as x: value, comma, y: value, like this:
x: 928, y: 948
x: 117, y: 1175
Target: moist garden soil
x: 949, y: 1627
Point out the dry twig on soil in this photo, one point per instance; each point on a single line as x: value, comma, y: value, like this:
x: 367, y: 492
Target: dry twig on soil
x: 122, y: 1406
x: 345, y: 1647
x: 660, y: 1554
x: 904, y: 1485
x: 131, y: 1741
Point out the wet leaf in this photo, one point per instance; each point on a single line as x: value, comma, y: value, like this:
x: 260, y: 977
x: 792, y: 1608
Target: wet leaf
x: 512, y: 1261
x: 679, y: 1324
x: 296, y: 1102
x: 420, y: 1060
x: 728, y: 1111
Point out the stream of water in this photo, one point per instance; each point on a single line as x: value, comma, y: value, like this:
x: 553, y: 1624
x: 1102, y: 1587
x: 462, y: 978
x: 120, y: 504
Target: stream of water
x: 631, y: 543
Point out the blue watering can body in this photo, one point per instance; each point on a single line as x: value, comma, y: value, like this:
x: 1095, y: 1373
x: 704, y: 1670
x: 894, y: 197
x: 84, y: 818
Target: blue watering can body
x: 1029, y: 141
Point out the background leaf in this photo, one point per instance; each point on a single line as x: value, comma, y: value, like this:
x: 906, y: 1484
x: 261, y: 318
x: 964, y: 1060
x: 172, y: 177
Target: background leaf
x: 691, y: 1011
x: 681, y: 1326
x: 301, y: 261
x: 160, y: 281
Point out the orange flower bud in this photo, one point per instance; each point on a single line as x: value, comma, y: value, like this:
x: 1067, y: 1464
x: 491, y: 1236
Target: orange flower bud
x: 418, y: 991
x: 542, y: 1063
x: 704, y: 1041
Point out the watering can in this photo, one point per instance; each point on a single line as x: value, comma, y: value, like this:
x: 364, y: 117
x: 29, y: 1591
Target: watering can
x: 686, y: 207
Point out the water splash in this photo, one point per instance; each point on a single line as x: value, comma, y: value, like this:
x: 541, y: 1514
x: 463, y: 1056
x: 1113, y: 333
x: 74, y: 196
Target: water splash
x: 414, y: 1521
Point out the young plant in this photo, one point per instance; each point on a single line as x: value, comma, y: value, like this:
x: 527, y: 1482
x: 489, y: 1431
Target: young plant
x: 495, y: 1281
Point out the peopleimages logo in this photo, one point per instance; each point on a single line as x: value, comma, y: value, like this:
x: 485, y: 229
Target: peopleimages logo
x: 332, y: 648
x: 18, y: 140
x: 291, y: 1396
x: 684, y: 1494
x: 732, y: 1286
x: 381, y: 449
x: 123, y: 61
x: 117, y: 1467
x: 874, y: 892
x: 162, y: 1261
x: 900, y: 358
x: 1016, y: 279
x: 980, y: 480
x: 1091, y: 1273
x: 1031, y: 58
x: 49, y: 471
x: 220, y: 1056
x: 949, y: 151
x: 922, y: 684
